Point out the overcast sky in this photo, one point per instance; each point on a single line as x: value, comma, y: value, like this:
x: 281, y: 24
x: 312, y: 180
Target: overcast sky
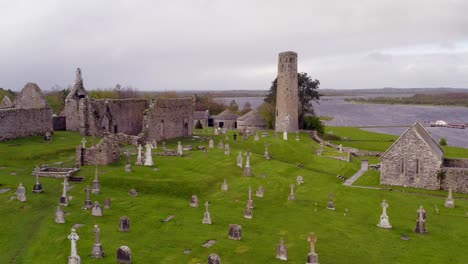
x: 203, y: 44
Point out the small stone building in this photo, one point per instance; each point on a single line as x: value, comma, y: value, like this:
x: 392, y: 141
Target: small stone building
x: 225, y: 119
x: 251, y: 121
x: 203, y: 117
x: 416, y: 160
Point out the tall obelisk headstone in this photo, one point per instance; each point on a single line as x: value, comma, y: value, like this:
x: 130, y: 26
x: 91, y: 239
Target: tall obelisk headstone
x: 287, y: 93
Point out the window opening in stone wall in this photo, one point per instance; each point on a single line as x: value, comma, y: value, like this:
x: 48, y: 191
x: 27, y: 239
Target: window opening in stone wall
x: 402, y: 166
x: 417, y: 166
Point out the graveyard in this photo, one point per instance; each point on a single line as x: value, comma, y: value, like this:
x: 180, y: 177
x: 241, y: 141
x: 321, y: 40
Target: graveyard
x: 165, y: 228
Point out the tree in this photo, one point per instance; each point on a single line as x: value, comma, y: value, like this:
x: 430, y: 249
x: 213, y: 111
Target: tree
x: 233, y: 106
x: 307, y: 93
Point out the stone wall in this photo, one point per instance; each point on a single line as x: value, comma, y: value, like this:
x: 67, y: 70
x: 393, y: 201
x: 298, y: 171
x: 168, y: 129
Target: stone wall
x: 24, y: 122
x: 60, y: 123
x: 457, y: 178
x: 410, y: 162
x: 456, y: 163
x: 168, y: 118
x: 106, y: 152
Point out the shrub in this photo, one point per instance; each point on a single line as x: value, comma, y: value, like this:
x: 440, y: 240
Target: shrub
x: 443, y: 142
x: 313, y: 123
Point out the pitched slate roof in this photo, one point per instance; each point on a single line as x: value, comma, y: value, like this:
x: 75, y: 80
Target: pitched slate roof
x: 426, y: 137
x: 252, y: 118
x: 226, y: 115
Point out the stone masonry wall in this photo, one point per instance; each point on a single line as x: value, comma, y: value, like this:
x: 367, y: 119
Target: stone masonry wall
x: 456, y: 163
x: 457, y: 178
x: 24, y: 122
x: 168, y: 118
x: 106, y: 152
x: 287, y: 93
x: 410, y: 163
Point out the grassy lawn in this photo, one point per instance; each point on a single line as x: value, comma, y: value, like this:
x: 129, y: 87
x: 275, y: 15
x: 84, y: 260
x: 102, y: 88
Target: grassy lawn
x: 347, y: 235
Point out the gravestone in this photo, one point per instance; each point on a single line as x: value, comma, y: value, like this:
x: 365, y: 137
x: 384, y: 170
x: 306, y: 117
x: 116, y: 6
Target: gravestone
x: 21, y: 193
x: 48, y: 136
x: 107, y: 203
x: 139, y: 160
x: 207, y: 216
x: 124, y: 224
x: 250, y: 202
x: 260, y: 191
x: 59, y: 215
x: 291, y: 196
x: 285, y: 135
x: 37, y: 186
x: 227, y: 149
x: 133, y: 192
x: 266, y: 154
x: 128, y: 168
x: 247, y: 168
x: 224, y: 186
x: 164, y: 146
x: 282, y: 251
x: 97, y: 247
x: 216, y: 132
x: 220, y: 145
x: 421, y: 222
x: 300, y: 180
x: 340, y: 149
x: 96, y: 183
x: 180, y: 151
x: 124, y: 255
x: 74, y: 258
x: 331, y: 204
x: 148, y: 156
x: 297, y: 135
x: 194, y: 201
x: 96, y: 210
x: 449, y: 202
x: 64, y: 197
x: 88, y: 203
x: 312, y: 257
x: 384, y: 221
x: 257, y: 137
x: 209, y: 243
x: 211, y: 143
x: 83, y: 143
x: 235, y: 232
x: 248, y: 213
x: 239, y: 160
x: 214, y: 258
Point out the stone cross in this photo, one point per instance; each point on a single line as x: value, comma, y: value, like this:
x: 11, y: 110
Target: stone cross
x: 207, y: 216
x: 285, y: 135
x: 73, y: 237
x: 384, y: 221
x: 21, y: 193
x: 312, y: 238
x: 59, y: 215
x: 179, y: 149
x: 64, y: 198
x: 97, y: 233
x: 421, y: 222
x: 250, y: 203
x: 37, y: 186
x: 97, y: 247
x: 139, y: 160
x: 83, y: 143
x: 247, y: 168
x: 148, y: 155
x: 96, y: 183
x: 247, y: 161
x: 292, y: 197
x: 331, y: 204
x: 250, y: 193
x: 88, y: 203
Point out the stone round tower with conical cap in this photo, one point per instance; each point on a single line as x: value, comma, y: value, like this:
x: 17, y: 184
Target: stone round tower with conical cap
x: 286, y: 93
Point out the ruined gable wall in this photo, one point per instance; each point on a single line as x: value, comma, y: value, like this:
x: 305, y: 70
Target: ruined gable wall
x: 116, y: 116
x: 106, y: 152
x: 168, y: 118
x: 73, y: 113
x: 410, y: 147
x: 24, y: 122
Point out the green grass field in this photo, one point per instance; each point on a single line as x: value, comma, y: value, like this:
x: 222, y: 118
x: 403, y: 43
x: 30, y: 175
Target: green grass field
x: 347, y: 235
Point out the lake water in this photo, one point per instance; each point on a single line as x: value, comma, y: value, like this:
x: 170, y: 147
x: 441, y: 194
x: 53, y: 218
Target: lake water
x: 391, y: 119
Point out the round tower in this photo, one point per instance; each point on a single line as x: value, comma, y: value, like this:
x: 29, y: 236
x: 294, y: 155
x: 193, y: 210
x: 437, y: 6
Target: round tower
x: 286, y: 94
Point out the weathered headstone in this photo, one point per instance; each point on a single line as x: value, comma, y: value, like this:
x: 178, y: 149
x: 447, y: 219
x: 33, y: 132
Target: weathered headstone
x: 124, y: 255
x: 340, y: 148
x: 384, y: 221
x: 297, y: 135
x: 128, y: 166
x: 214, y: 258
x: 154, y: 144
x: 266, y: 154
x: 248, y: 213
x: 227, y: 149
x: 216, y: 132
x: 96, y: 183
x: 224, y: 186
x: 133, y: 192
x: 331, y: 204
x: 64, y: 197
x: 260, y: 191
x: 300, y: 180
x: 312, y: 257
x: 83, y: 143
x: 257, y: 137
x: 124, y: 224
x: 59, y: 215
x: 21, y: 193
x: 220, y: 145
x: 107, y: 203
x: 148, y: 156
x: 74, y: 258
x: 139, y: 160
x: 97, y: 247
x: 211, y: 143
x: 239, y: 160
x: 88, y: 204
x: 235, y: 232
x: 206, y: 216
x: 180, y: 151
x: 247, y: 168
x: 292, y: 196
x: 96, y: 210
x: 285, y: 135
x: 421, y: 222
x: 449, y: 202
x: 282, y: 251
x: 37, y: 186
x: 250, y: 202
x: 194, y: 201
